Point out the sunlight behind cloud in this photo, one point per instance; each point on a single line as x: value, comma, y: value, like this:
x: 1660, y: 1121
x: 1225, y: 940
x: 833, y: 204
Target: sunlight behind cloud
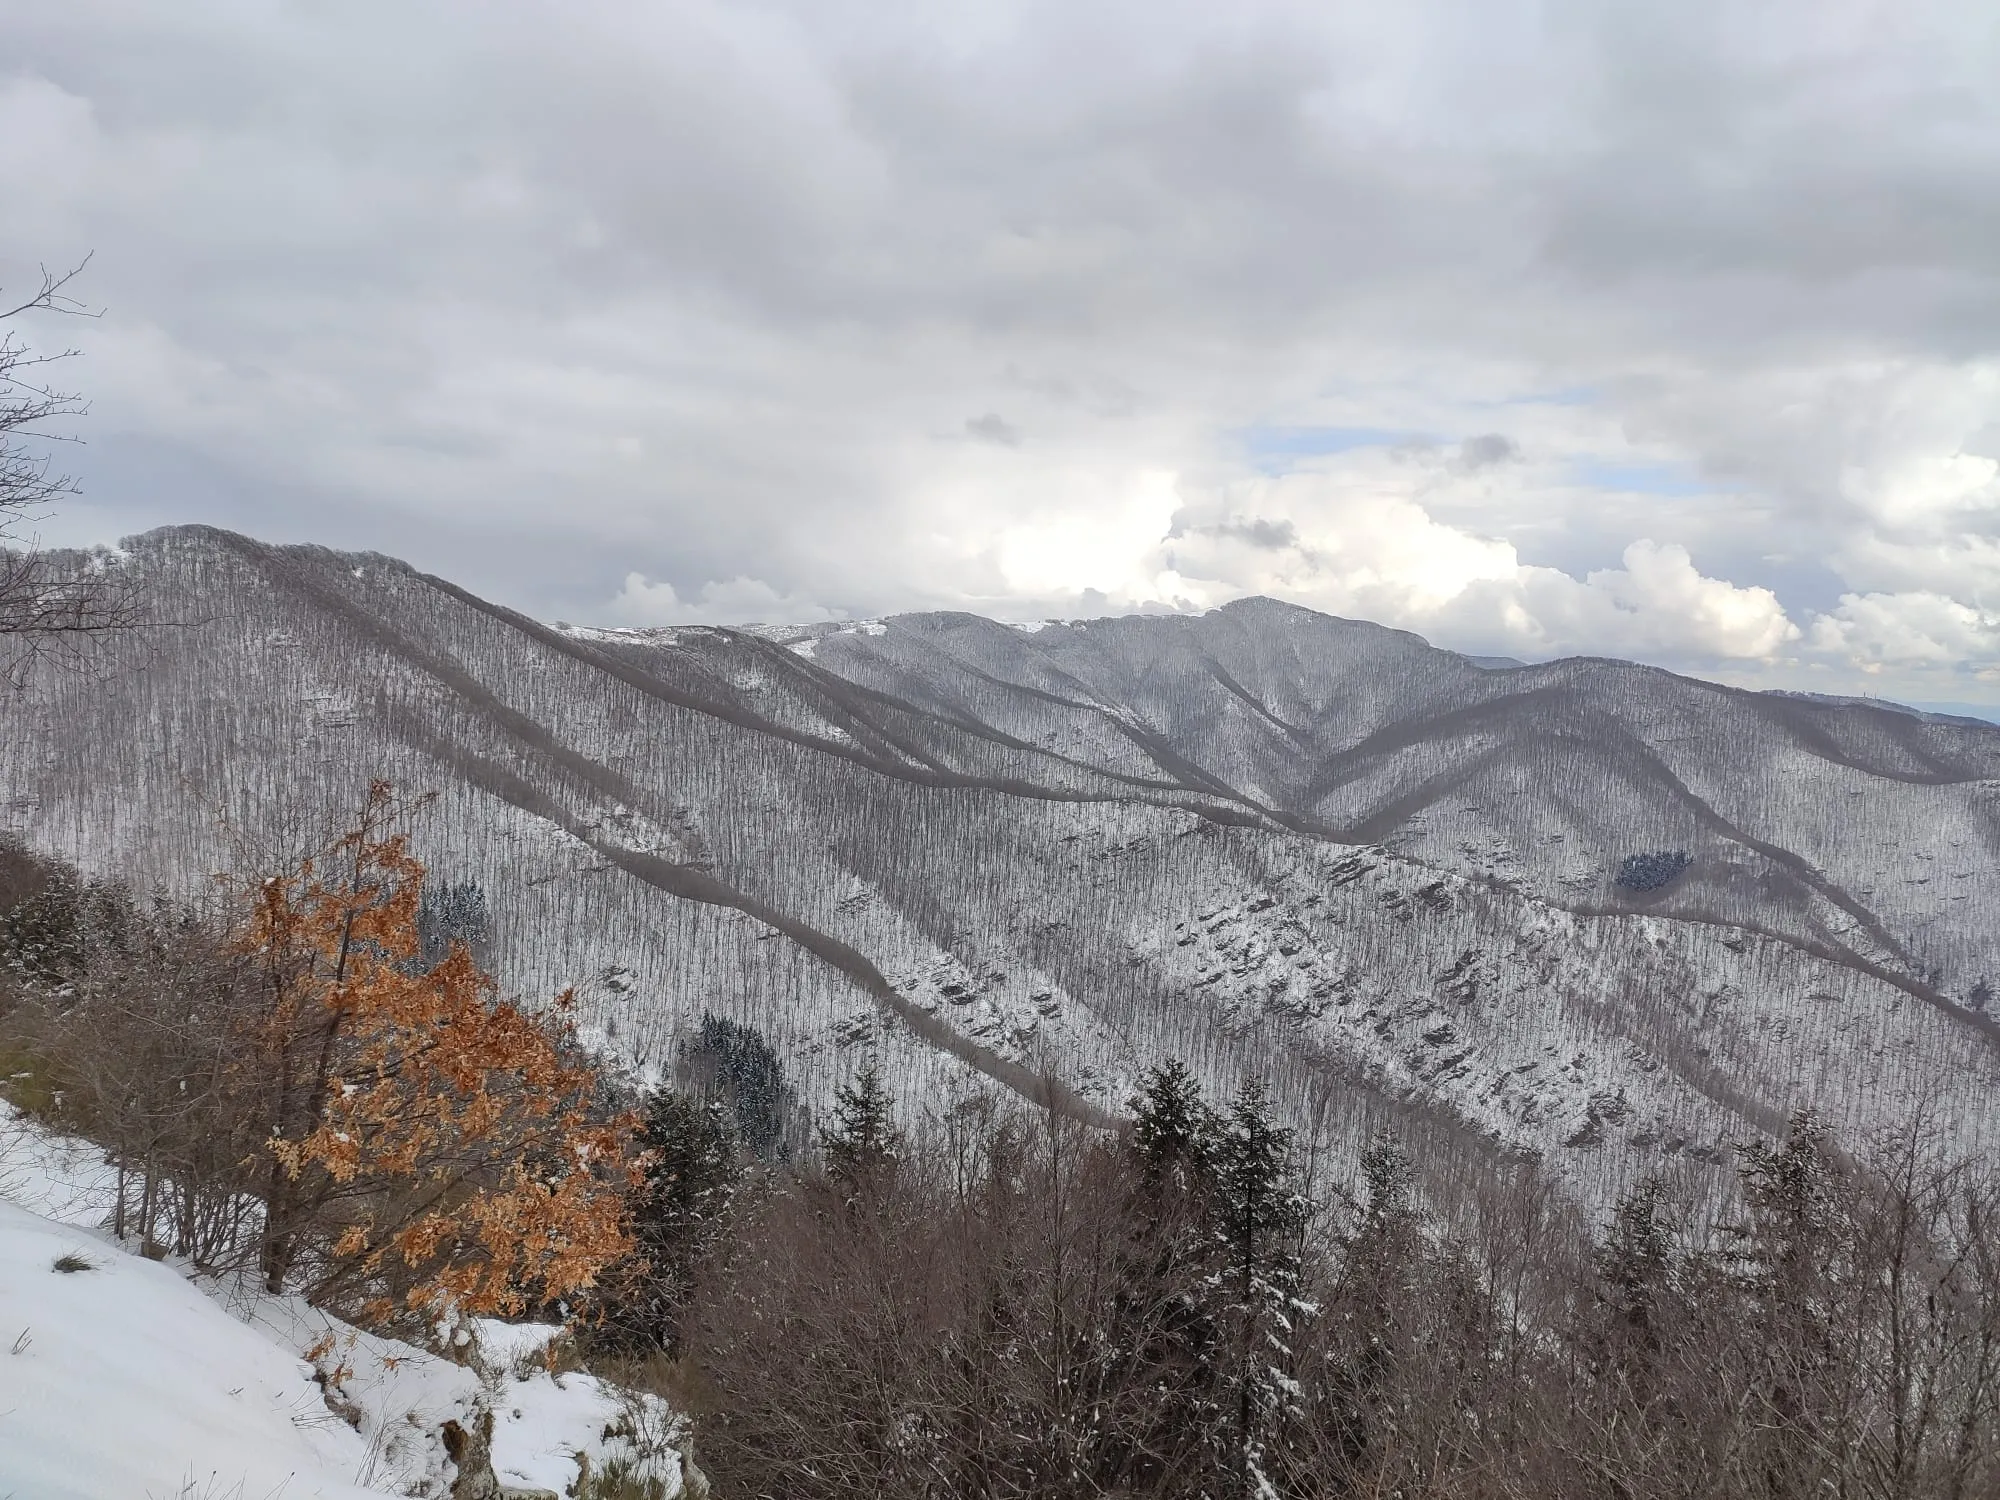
x: 1097, y: 541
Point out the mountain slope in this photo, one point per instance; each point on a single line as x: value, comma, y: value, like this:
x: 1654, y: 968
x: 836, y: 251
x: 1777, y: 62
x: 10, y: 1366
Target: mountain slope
x: 1262, y: 838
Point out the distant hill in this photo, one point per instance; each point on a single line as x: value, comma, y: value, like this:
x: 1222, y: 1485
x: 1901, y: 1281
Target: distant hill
x: 1395, y: 882
x: 1969, y: 713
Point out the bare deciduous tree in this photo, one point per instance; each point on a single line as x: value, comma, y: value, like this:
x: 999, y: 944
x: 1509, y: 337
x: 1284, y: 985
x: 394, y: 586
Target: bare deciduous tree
x: 52, y: 605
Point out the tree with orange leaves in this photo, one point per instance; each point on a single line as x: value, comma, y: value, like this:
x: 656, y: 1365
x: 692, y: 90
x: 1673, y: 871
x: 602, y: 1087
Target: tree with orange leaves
x: 433, y: 1148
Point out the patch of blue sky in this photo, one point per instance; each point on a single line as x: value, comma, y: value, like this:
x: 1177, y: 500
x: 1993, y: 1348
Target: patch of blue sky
x: 1276, y: 449
x: 1638, y: 479
x: 1568, y: 395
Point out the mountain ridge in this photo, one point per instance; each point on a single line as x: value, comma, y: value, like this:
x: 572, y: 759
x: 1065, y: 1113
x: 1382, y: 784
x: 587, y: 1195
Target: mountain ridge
x: 1262, y: 838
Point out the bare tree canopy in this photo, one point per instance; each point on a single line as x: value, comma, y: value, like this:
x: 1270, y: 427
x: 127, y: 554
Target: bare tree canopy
x: 51, y: 604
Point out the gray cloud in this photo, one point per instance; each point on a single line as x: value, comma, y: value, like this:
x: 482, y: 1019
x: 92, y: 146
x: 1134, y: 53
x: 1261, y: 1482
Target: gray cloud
x: 546, y: 298
x: 1487, y: 449
x: 1272, y: 536
x: 994, y: 429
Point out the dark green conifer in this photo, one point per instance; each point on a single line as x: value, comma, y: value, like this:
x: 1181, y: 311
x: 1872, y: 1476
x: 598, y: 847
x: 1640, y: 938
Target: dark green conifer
x: 1635, y: 1262
x: 691, y: 1176
x: 735, y: 1063
x: 1260, y: 1219
x: 1173, y: 1128
x: 864, y: 1140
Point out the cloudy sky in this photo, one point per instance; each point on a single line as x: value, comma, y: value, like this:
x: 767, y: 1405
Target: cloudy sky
x: 1668, y: 330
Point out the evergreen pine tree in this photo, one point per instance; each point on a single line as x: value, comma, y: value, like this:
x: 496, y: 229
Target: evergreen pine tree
x: 864, y: 1140
x: 1374, y: 1300
x: 1173, y: 1129
x: 1259, y: 1222
x: 691, y: 1177
x: 1634, y: 1264
x: 1385, y: 1248
x: 1168, y: 1334
x: 734, y: 1062
x: 1789, y: 1190
x: 1789, y: 1261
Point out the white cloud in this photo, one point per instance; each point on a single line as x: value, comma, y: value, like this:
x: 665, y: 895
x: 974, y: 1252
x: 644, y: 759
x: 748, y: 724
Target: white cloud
x: 1101, y: 539
x: 1677, y: 610
x: 1353, y: 539
x: 643, y: 602
x: 1878, y: 631
x: 1364, y: 543
x: 728, y: 601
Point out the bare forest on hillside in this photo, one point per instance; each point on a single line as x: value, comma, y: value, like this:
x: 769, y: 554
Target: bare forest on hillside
x: 1394, y: 884
x: 309, y: 1080
x: 1017, y: 1305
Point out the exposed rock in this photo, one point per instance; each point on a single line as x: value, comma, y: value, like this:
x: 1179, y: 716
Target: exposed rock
x: 472, y: 1452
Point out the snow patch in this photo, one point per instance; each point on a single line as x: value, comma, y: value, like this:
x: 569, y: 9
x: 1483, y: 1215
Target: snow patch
x: 215, y: 1388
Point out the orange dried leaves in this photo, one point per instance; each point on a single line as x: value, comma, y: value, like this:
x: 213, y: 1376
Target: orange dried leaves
x: 458, y: 1129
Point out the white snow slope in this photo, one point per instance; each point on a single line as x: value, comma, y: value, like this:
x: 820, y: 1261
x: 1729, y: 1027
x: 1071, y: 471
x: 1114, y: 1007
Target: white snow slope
x: 123, y: 1379
x: 128, y: 1379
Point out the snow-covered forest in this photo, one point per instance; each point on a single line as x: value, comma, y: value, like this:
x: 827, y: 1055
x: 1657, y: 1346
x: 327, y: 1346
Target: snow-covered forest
x: 1263, y: 840
x: 756, y: 750
x: 1381, y: 878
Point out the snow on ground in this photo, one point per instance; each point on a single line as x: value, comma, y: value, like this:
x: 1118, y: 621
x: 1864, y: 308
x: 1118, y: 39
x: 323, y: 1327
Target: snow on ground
x: 128, y: 1377
x: 122, y: 1379
x: 57, y: 1177
x: 538, y: 1419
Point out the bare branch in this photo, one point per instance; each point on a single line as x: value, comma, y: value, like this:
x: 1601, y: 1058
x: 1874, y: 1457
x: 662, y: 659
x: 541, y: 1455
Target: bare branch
x: 52, y: 298
x: 53, y: 607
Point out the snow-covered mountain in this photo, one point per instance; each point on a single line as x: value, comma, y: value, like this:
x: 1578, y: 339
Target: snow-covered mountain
x: 1385, y: 877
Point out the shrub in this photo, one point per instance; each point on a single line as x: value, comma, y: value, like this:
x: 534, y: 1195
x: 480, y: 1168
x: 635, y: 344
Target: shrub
x: 432, y: 1146
x: 283, y: 1081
